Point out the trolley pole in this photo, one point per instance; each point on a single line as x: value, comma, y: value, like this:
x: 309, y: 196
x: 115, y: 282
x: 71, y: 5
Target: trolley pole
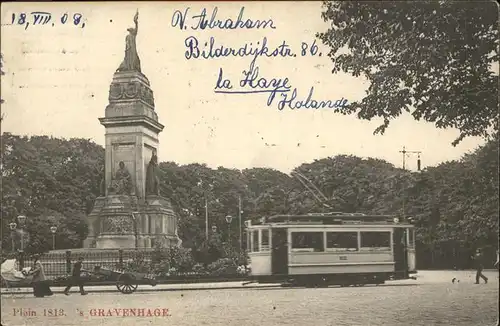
x: 405, y: 152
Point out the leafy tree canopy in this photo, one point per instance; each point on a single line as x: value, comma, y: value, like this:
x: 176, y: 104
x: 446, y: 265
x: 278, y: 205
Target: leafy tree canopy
x: 51, y: 181
x: 432, y: 59
x: 55, y: 182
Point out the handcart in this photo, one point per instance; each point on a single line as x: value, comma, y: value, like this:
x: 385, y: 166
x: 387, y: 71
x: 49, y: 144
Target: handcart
x: 126, y: 281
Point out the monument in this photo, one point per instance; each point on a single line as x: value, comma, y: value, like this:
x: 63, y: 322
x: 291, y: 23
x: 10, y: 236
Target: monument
x: 130, y: 212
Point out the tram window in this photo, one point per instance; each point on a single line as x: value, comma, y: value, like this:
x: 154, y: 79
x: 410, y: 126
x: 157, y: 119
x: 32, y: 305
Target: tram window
x: 379, y: 240
x: 265, y: 240
x: 255, y: 241
x: 308, y: 240
x: 339, y: 241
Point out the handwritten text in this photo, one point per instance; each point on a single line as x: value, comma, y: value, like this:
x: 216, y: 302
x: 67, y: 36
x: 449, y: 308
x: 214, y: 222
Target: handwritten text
x: 41, y: 18
x: 308, y: 103
x: 210, y: 50
x: 279, y: 90
x: 252, y: 82
x: 179, y: 19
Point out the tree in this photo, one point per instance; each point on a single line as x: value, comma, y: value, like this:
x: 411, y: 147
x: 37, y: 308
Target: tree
x: 433, y: 59
x: 54, y: 182
x: 352, y: 184
x: 456, y: 207
x: 44, y: 177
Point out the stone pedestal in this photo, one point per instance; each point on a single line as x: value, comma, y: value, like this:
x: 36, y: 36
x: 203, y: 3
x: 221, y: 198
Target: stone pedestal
x: 130, y: 219
x: 159, y: 222
x: 115, y: 241
x: 119, y: 221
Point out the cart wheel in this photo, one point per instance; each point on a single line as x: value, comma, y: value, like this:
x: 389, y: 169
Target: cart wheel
x: 126, y: 283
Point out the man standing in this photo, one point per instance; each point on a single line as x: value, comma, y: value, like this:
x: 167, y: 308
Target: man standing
x: 76, y: 278
x: 478, y: 260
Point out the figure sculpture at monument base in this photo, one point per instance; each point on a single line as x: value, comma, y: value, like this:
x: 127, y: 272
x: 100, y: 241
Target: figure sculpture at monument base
x: 152, y: 182
x: 121, y: 184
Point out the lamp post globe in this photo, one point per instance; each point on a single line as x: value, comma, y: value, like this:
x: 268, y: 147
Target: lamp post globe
x: 21, y: 219
x: 229, y: 218
x: 53, y: 229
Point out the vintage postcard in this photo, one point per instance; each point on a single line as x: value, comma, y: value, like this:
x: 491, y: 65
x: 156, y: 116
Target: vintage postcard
x: 249, y: 163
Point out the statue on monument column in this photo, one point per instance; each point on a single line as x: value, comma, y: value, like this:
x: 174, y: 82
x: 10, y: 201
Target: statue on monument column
x: 152, y: 182
x: 131, y: 62
x: 122, y: 182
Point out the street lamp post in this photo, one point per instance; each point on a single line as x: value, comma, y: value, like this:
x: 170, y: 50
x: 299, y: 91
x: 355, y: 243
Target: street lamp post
x: 206, y: 217
x: 240, y: 211
x: 229, y: 218
x: 13, y: 227
x: 22, y: 219
x: 53, y: 230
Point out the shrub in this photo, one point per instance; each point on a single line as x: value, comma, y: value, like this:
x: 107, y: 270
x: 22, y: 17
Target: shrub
x: 172, y: 260
x: 243, y: 270
x: 138, y: 264
x: 223, y: 266
x: 199, y: 269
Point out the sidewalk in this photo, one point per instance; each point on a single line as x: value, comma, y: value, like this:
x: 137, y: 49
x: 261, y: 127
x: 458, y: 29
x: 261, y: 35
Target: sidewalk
x: 445, y: 276
x: 157, y: 288
x: 423, y: 277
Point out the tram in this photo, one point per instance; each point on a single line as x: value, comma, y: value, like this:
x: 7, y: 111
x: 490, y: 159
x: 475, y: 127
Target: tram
x: 331, y: 249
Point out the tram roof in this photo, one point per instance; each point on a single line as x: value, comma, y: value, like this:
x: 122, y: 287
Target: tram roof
x: 328, y: 218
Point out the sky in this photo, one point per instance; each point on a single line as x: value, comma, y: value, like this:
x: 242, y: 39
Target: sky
x: 57, y: 82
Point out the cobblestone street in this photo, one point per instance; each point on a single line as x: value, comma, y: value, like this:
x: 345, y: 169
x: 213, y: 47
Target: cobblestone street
x: 431, y: 300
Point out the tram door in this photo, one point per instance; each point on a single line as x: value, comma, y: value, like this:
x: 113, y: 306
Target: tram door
x: 400, y: 252
x: 279, y: 258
